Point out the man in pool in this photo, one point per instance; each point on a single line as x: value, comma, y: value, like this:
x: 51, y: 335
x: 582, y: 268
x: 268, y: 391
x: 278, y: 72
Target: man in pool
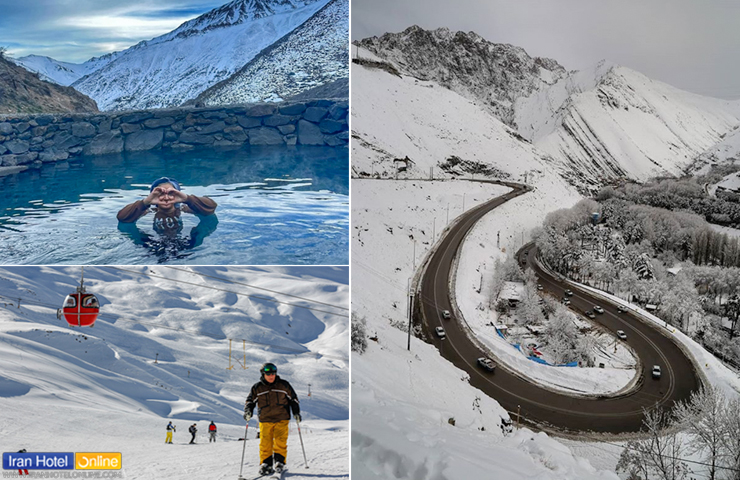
x: 166, y: 198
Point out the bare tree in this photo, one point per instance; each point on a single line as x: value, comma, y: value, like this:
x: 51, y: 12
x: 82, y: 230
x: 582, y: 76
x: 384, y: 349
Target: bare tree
x: 659, y: 455
x: 701, y: 417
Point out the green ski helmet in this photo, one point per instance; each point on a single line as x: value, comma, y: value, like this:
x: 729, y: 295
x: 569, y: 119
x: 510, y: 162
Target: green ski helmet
x: 268, y: 368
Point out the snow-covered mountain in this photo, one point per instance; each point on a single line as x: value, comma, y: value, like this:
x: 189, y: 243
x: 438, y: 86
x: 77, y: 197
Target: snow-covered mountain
x: 63, y: 73
x: 177, y: 66
x: 493, y: 74
x: 314, y: 54
x: 160, y: 351
x: 24, y: 92
x: 615, y: 122
x: 595, y: 124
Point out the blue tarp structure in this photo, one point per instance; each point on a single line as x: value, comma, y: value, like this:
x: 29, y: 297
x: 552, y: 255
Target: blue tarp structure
x: 533, y: 357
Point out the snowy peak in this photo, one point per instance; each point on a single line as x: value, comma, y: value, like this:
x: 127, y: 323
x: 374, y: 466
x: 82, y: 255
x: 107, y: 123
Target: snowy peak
x: 63, y: 73
x: 236, y: 12
x: 614, y: 122
x: 313, y: 55
x: 491, y: 73
x: 173, y: 68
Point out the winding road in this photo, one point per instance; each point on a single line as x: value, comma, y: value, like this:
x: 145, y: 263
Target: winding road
x: 544, y: 407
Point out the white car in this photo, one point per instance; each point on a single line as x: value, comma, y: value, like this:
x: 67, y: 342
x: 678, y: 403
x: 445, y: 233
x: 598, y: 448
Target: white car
x: 598, y: 309
x: 487, y: 364
x: 446, y: 314
x: 656, y: 371
x: 621, y: 334
x: 440, y: 332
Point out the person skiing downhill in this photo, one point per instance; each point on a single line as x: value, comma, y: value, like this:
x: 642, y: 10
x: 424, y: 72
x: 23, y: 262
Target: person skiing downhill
x: 212, y: 432
x: 170, y: 429
x: 274, y: 399
x: 193, y: 429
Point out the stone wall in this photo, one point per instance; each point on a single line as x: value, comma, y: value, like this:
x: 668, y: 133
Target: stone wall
x: 30, y: 140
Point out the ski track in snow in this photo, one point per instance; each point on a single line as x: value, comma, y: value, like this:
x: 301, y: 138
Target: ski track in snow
x: 98, y: 389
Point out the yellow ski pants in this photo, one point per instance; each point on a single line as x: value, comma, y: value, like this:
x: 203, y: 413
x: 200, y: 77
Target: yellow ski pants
x: 169, y: 437
x: 273, y: 439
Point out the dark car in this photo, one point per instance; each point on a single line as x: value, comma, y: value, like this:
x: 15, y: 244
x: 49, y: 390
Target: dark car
x: 569, y: 293
x: 621, y: 309
x: 590, y: 314
x: 656, y: 372
x: 486, y: 364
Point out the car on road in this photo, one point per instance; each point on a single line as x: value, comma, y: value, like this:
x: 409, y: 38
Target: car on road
x: 446, y: 314
x: 590, y: 314
x: 620, y: 309
x: 440, y: 332
x: 539, y: 287
x: 621, y: 334
x: 656, y: 371
x: 486, y: 364
x: 569, y: 293
x: 598, y: 309
x: 565, y: 301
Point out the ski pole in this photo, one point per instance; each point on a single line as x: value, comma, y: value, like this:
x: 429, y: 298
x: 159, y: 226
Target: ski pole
x: 244, y: 447
x: 301, y: 437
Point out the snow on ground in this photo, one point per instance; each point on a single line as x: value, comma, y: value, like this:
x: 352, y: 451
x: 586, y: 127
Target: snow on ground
x: 401, y: 401
x: 396, y: 117
x: 98, y: 389
x: 513, y: 223
x: 401, y: 405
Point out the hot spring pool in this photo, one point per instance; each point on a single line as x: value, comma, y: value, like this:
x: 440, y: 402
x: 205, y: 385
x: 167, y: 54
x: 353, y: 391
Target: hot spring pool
x: 276, y: 206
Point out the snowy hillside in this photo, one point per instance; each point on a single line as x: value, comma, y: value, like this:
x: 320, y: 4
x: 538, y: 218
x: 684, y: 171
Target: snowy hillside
x: 402, y: 401
x: 596, y: 124
x: 63, y: 73
x: 615, y: 122
x: 313, y: 54
x: 494, y: 75
x: 396, y: 117
x: 727, y: 149
x: 100, y: 389
x: 172, y: 68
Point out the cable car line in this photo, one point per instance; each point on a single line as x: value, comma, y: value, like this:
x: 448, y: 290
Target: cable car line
x: 258, y: 288
x: 343, y: 315
x: 190, y: 332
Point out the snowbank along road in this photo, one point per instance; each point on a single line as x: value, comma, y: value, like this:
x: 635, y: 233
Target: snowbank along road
x: 538, y: 405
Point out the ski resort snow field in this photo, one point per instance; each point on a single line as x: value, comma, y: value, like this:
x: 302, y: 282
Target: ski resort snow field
x: 159, y: 351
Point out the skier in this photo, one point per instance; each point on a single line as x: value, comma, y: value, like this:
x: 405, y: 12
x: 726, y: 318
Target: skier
x: 275, y: 399
x: 193, y: 429
x: 212, y: 432
x: 170, y: 429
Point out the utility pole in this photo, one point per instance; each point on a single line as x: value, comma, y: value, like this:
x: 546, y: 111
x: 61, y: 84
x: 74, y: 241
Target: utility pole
x: 518, y: 410
x: 411, y: 311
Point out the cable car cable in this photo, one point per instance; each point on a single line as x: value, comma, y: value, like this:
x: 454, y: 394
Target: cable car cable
x: 343, y: 315
x: 155, y: 325
x: 258, y: 288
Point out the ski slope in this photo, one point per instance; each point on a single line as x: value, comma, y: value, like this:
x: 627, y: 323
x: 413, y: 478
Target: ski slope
x: 99, y: 389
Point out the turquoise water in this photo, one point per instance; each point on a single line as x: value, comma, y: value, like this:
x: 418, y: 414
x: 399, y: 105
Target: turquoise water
x: 277, y: 206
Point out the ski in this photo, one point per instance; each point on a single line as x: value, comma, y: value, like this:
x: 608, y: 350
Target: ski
x: 279, y: 476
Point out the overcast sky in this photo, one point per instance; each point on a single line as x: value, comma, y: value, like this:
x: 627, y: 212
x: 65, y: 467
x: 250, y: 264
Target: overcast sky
x: 691, y: 44
x: 76, y: 30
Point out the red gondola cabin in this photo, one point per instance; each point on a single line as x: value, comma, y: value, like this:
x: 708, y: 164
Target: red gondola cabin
x: 81, y: 309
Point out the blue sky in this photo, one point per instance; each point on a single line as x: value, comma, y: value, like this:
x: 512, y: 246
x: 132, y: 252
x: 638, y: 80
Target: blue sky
x: 690, y: 44
x: 76, y: 30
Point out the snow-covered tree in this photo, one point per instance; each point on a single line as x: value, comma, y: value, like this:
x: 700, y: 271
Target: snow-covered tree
x: 659, y: 454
